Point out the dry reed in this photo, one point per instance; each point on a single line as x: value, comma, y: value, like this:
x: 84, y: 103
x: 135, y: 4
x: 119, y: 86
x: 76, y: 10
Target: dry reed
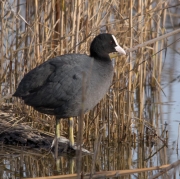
x: 34, y: 31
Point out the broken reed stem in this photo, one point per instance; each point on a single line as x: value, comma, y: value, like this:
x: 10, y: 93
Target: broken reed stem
x: 1, y: 46
x: 78, y: 11
x: 145, y: 44
x: 16, y: 59
x: 37, y: 32
x: 80, y: 131
x: 62, y: 26
x: 130, y: 66
x: 117, y: 173
x: 74, y: 6
x: 140, y: 86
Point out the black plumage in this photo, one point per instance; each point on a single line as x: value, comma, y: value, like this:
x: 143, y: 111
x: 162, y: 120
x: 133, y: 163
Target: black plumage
x: 55, y: 87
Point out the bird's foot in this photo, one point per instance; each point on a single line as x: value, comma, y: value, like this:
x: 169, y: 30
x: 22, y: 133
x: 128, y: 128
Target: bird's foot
x: 53, y: 142
x: 59, y: 140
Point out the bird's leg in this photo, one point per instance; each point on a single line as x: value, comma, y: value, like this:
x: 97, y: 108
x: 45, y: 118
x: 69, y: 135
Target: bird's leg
x: 55, y: 140
x: 71, y: 133
x: 57, y: 136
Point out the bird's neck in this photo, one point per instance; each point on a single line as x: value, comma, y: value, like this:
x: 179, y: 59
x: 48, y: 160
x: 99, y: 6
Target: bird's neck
x: 100, y: 56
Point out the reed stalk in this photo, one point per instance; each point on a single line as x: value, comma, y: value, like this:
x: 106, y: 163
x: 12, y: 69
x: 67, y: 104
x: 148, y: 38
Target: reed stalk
x: 34, y: 31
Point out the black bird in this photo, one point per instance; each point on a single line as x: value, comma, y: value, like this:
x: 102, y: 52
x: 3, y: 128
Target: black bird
x: 57, y: 86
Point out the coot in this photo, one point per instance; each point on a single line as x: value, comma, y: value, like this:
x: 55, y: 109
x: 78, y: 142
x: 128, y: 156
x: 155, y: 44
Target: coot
x: 66, y: 84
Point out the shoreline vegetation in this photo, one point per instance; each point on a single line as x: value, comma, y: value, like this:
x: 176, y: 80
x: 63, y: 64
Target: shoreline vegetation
x: 130, y: 114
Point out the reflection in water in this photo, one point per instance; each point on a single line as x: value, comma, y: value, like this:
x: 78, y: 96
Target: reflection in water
x: 171, y: 99
x: 17, y: 162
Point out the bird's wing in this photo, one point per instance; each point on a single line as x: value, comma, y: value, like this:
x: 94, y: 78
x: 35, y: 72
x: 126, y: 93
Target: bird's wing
x: 33, y: 80
x: 54, y: 82
x: 66, y: 83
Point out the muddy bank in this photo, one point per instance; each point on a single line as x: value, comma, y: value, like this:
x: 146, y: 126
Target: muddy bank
x: 20, y: 134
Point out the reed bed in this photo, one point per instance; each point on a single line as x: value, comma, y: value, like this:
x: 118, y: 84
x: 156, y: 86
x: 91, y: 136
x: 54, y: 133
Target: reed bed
x: 34, y: 31
x: 122, y: 173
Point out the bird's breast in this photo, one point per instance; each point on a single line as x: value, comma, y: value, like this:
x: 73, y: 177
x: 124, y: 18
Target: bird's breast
x: 98, y: 85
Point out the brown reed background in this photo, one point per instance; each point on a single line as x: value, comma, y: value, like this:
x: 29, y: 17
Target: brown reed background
x: 33, y: 31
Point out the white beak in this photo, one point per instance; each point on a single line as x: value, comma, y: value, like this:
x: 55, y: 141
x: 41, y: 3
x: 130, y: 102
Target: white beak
x: 118, y: 47
x: 120, y: 50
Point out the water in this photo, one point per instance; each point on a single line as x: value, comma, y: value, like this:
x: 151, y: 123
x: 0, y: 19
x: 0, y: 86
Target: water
x: 171, y: 87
